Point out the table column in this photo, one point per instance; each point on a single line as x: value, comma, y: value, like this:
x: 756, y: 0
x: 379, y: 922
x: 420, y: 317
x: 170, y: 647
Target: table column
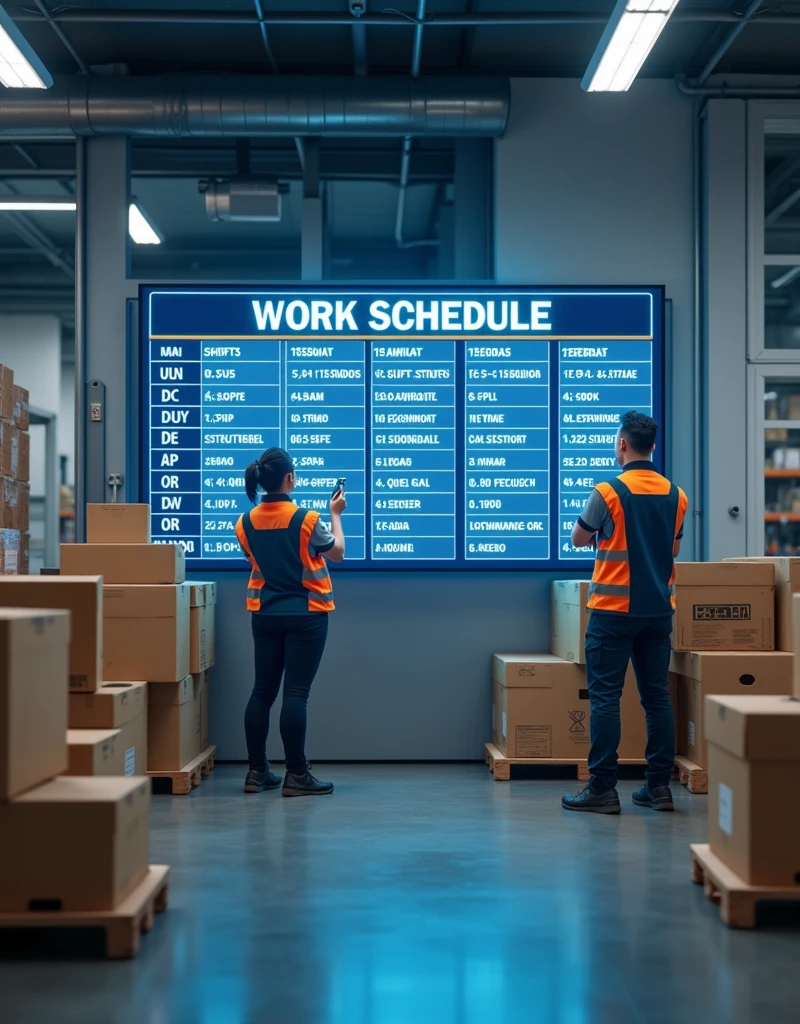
x: 597, y: 383
x: 175, y: 442
x: 240, y: 419
x: 413, y: 451
x: 325, y: 429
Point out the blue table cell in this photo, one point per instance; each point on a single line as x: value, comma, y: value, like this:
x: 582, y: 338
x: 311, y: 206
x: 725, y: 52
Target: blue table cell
x: 604, y: 352
x: 215, y: 440
x: 519, y: 482
x: 506, y: 526
x: 219, y: 523
x: 514, y: 373
x: 582, y: 418
x: 180, y: 397
x: 319, y: 500
x: 327, y: 351
x: 428, y: 481
x: 492, y: 459
x: 595, y: 439
x: 413, y: 351
x: 413, y: 460
x: 166, y: 504
x: 323, y: 439
x: 221, y: 547
x: 414, y: 418
x: 168, y: 418
x: 170, y: 375
x: 501, y: 416
x: 422, y: 549
x: 494, y: 395
x: 183, y: 351
x: 606, y: 373
x: 336, y: 460
x: 263, y: 351
x: 228, y: 463
x: 355, y: 551
x: 570, y: 484
x: 173, y: 461
x: 413, y: 524
x: 227, y: 375
x: 526, y: 504
x: 414, y: 503
x: 305, y: 418
x: 606, y: 396
x: 189, y: 543
x: 508, y: 549
x: 165, y: 481
x: 325, y: 480
x: 323, y: 373
x: 419, y: 438
x: 602, y: 463
x: 216, y: 504
x: 499, y: 352
x: 173, y: 438
x: 328, y: 396
x: 511, y: 440
x: 241, y: 394
x: 402, y: 375
x: 231, y: 418
x: 567, y: 552
x: 169, y: 526
x: 418, y: 396
x: 222, y: 482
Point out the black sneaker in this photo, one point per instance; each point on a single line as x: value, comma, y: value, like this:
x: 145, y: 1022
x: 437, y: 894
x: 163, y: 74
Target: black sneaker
x: 657, y: 797
x: 305, y: 785
x: 257, y: 782
x: 588, y: 800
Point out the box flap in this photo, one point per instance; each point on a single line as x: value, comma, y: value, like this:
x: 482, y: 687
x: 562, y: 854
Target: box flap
x: 113, y: 705
x: 755, y: 728
x: 90, y: 737
x: 23, y: 628
x: 708, y: 666
x: 163, y: 694
x: 144, y: 601
x: 535, y: 670
x: 725, y: 574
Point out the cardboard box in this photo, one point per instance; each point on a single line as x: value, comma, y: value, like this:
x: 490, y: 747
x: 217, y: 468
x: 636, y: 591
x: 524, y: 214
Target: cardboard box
x: 147, y: 633
x: 95, y: 752
x: 173, y: 726
x: 24, y: 506
x: 205, y: 728
x: 118, y: 524
x: 9, y: 552
x: 83, y: 597
x: 74, y: 844
x: 6, y: 393
x: 787, y: 584
x: 9, y: 504
x: 753, y: 768
x: 24, y: 554
x: 700, y: 674
x: 569, y: 619
x: 34, y: 659
x: 23, y: 441
x: 142, y: 564
x: 724, y: 606
x: 22, y: 408
x: 120, y: 706
x: 9, y: 450
x: 202, y: 605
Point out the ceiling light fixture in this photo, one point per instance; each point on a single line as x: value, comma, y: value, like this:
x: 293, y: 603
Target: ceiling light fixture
x: 140, y: 228
x: 786, y: 278
x: 36, y: 204
x: 629, y: 36
x: 20, y: 68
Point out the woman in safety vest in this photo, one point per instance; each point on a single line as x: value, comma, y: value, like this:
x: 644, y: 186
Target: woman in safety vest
x: 290, y: 595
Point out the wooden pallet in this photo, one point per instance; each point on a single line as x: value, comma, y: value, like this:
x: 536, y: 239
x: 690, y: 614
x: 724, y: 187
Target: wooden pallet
x: 184, y: 780
x: 123, y: 926
x: 691, y: 775
x: 737, y: 900
x: 500, y: 766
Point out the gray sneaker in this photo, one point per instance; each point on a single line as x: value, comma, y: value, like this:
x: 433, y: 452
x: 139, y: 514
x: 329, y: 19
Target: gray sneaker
x: 597, y: 803
x: 657, y: 797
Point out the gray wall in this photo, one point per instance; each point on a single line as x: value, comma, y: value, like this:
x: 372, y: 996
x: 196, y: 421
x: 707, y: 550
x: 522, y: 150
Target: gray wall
x: 589, y: 189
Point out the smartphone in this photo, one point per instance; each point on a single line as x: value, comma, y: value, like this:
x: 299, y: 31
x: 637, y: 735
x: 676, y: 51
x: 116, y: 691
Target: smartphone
x: 339, y: 485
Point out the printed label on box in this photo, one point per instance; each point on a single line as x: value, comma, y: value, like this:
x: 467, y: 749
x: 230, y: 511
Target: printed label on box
x: 691, y: 734
x: 12, y: 562
x: 504, y: 724
x: 726, y: 809
x: 533, y: 741
x: 130, y: 761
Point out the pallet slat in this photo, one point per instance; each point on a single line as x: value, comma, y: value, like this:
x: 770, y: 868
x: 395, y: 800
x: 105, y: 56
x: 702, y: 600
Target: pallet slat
x: 737, y: 900
x: 691, y: 775
x: 500, y: 765
x: 185, y: 779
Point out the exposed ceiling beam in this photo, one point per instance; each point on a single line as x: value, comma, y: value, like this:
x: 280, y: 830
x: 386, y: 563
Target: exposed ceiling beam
x: 726, y: 43
x: 264, y: 37
x: 62, y: 35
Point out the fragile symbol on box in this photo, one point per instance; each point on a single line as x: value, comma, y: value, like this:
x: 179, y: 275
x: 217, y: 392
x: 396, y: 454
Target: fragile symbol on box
x: 578, y: 718
x: 721, y: 612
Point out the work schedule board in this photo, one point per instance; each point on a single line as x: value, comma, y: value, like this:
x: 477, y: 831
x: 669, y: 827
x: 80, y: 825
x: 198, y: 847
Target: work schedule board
x: 471, y: 424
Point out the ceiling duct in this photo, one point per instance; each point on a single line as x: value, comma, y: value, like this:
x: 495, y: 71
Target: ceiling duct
x: 248, y: 200
x: 178, y: 106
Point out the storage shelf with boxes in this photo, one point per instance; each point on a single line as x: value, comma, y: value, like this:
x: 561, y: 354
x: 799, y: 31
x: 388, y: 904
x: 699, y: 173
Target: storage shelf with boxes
x: 15, y: 476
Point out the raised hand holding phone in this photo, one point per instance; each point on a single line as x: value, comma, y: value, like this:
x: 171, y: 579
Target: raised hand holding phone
x: 338, y: 500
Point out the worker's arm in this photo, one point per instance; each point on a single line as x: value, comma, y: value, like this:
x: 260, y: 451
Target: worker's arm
x: 581, y: 537
x: 676, y: 548
x: 593, y: 518
x: 241, y: 536
x: 338, y: 505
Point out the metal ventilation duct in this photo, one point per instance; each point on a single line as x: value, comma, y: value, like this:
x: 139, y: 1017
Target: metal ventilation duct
x: 195, y: 107
x: 250, y: 200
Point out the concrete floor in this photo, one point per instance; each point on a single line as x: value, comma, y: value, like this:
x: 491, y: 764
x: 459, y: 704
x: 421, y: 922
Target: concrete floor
x: 422, y: 894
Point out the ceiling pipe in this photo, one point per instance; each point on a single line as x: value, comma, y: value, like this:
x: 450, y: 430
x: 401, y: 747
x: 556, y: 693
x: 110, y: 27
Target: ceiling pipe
x: 726, y: 43
x: 739, y: 92
x: 189, y: 106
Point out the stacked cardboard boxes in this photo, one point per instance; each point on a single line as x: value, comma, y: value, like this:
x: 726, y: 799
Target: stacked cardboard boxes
x: 14, y: 475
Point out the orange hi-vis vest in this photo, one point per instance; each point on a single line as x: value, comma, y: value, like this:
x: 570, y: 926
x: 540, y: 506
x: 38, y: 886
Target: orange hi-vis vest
x: 288, y: 577
x: 634, y: 570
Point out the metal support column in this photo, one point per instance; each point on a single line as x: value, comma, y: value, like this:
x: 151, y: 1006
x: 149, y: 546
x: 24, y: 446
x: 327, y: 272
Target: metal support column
x: 473, y: 202
x: 312, y: 238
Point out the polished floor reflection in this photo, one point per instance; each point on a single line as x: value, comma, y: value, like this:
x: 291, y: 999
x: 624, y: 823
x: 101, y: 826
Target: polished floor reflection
x: 422, y: 895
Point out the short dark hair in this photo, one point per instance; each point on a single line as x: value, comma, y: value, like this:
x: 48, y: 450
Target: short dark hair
x: 639, y: 431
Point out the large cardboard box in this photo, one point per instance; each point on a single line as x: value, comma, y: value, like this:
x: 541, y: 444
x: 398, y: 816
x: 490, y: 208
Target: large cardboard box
x: 9, y: 504
x: 200, y: 682
x: 9, y: 450
x: 173, y: 726
x: 202, y: 605
x: 74, y: 844
x: 22, y: 408
x: 34, y: 660
x: 83, y: 597
x: 126, y: 563
x: 787, y: 584
x: 120, y: 706
x: 23, y: 441
x: 700, y: 674
x: 724, y: 606
x: 6, y: 393
x: 569, y: 619
x: 9, y: 552
x: 796, y: 631
x: 118, y: 524
x: 147, y: 633
x: 753, y: 770
x: 95, y: 752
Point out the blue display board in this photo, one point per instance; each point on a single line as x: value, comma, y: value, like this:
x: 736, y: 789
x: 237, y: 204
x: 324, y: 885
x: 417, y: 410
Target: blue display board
x: 471, y: 424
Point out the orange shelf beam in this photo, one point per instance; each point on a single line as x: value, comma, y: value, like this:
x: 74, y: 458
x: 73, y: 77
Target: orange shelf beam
x: 782, y: 474
x: 782, y: 517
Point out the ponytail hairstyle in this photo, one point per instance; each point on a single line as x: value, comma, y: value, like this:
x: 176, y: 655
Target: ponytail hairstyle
x: 268, y: 472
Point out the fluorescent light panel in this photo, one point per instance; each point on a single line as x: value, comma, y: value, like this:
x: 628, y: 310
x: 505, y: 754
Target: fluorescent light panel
x: 630, y: 35
x: 20, y: 68
x: 140, y: 229
x: 19, y: 203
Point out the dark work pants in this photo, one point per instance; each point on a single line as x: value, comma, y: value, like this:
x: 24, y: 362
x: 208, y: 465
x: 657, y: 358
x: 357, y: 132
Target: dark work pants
x: 612, y: 641
x: 287, y: 647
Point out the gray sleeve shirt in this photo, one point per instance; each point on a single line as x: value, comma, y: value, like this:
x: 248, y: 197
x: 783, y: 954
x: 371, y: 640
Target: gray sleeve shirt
x: 322, y: 539
x: 596, y: 517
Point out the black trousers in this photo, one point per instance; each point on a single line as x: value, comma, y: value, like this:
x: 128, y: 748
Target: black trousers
x: 612, y: 642
x: 288, y: 648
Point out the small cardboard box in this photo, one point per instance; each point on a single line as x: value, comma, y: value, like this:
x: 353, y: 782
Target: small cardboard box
x: 173, y: 726
x: 34, y: 660
x: 700, y: 674
x: 24, y: 554
x: 9, y: 552
x: 9, y: 504
x: 753, y: 763
x: 74, y: 844
x: 120, y: 706
x: 118, y: 524
x: 83, y: 597
x: 724, y: 606
x: 569, y: 619
x: 141, y: 564
x: 787, y: 584
x: 23, y: 440
x: 22, y: 408
x: 9, y: 450
x: 95, y: 752
x: 147, y: 633
x: 202, y: 604
x: 6, y: 393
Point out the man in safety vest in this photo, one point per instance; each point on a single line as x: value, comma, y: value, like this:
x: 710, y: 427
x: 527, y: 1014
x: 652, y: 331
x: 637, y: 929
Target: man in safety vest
x: 636, y: 523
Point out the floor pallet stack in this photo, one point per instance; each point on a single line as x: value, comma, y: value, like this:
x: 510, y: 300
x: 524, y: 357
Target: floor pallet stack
x: 158, y: 628
x: 74, y: 850
x: 15, y: 475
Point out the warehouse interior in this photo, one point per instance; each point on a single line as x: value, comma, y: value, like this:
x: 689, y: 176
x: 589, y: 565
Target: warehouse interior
x: 433, y: 147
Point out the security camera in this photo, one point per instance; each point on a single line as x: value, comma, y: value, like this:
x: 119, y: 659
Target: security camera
x: 357, y: 7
